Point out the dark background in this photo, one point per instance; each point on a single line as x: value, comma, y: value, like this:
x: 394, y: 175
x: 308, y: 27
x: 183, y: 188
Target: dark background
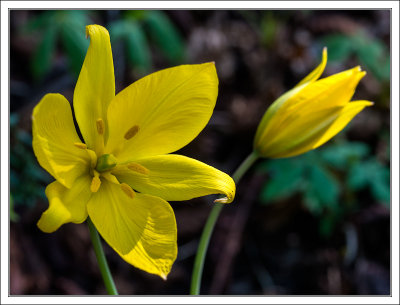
x: 314, y: 224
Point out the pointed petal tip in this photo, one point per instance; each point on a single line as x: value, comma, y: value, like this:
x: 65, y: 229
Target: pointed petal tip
x: 360, y: 70
x: 163, y: 276
x: 222, y: 200
x: 370, y: 104
x: 325, y: 52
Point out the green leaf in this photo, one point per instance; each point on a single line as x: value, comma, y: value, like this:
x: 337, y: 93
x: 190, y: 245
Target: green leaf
x: 327, y: 223
x: 14, y: 119
x: 374, y: 175
x: 136, y: 15
x: 137, y: 47
x: 381, y: 191
x: 381, y: 68
x: 42, y: 59
x: 80, y: 17
x: 13, y: 215
x: 268, y: 27
x: 138, y: 50
x: 373, y: 54
x: 118, y: 29
x: 323, y: 189
x: 286, y: 178
x: 358, y: 176
x: 165, y: 35
x: 75, y: 43
x: 339, y: 46
x: 41, y: 21
x: 343, y: 154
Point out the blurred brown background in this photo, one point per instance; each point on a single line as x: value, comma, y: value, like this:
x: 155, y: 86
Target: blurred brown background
x: 314, y: 224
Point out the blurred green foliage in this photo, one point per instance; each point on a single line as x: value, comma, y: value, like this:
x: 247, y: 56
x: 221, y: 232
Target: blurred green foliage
x: 27, y: 178
x: 370, y: 52
x: 138, y: 29
x: 327, y: 180
x: 64, y: 27
x: 13, y: 215
x: 268, y: 28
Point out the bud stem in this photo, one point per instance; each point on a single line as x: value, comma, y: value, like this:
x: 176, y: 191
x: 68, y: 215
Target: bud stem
x: 209, y: 226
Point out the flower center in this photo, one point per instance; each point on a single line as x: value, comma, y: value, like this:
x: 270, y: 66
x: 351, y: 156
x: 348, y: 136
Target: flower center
x: 106, y: 162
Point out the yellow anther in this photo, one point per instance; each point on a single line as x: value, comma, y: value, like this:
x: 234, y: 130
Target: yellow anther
x: 95, y: 185
x: 128, y: 190
x: 131, y: 132
x: 136, y: 167
x: 100, y: 126
x: 80, y: 145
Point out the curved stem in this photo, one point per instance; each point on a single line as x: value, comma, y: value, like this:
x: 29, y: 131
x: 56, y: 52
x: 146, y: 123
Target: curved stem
x: 101, y: 259
x: 209, y: 227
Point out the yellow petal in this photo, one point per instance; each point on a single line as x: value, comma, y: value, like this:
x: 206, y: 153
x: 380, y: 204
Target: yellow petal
x: 141, y: 229
x: 161, y: 112
x: 335, y: 90
x: 298, y: 134
x: 321, y: 133
x: 282, y: 100
x: 65, y: 205
x: 175, y: 177
x: 316, y: 73
x: 346, y: 115
x: 95, y: 87
x: 271, y: 117
x: 55, y: 138
x: 324, y: 94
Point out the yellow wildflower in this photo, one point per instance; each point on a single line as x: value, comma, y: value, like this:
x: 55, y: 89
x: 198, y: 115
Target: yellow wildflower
x: 122, y: 175
x: 310, y: 114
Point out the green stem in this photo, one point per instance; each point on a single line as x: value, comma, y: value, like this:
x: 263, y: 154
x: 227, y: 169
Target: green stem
x: 209, y: 227
x: 101, y: 259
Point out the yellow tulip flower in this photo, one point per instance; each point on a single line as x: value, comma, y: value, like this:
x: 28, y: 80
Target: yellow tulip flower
x: 123, y: 173
x: 310, y: 114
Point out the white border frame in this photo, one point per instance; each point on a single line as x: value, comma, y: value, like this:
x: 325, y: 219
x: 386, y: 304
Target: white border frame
x: 393, y: 5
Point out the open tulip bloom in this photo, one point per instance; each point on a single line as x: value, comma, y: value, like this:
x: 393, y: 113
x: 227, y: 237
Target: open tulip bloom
x: 123, y: 174
x: 310, y: 114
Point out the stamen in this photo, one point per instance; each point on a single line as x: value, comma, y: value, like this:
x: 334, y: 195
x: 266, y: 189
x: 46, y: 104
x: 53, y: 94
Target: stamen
x: 95, y: 185
x: 131, y: 132
x: 93, y: 157
x: 80, y: 145
x: 136, y: 167
x: 110, y: 177
x: 128, y: 190
x: 100, y: 126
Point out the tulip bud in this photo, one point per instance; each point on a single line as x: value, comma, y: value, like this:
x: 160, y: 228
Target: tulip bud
x: 310, y: 114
